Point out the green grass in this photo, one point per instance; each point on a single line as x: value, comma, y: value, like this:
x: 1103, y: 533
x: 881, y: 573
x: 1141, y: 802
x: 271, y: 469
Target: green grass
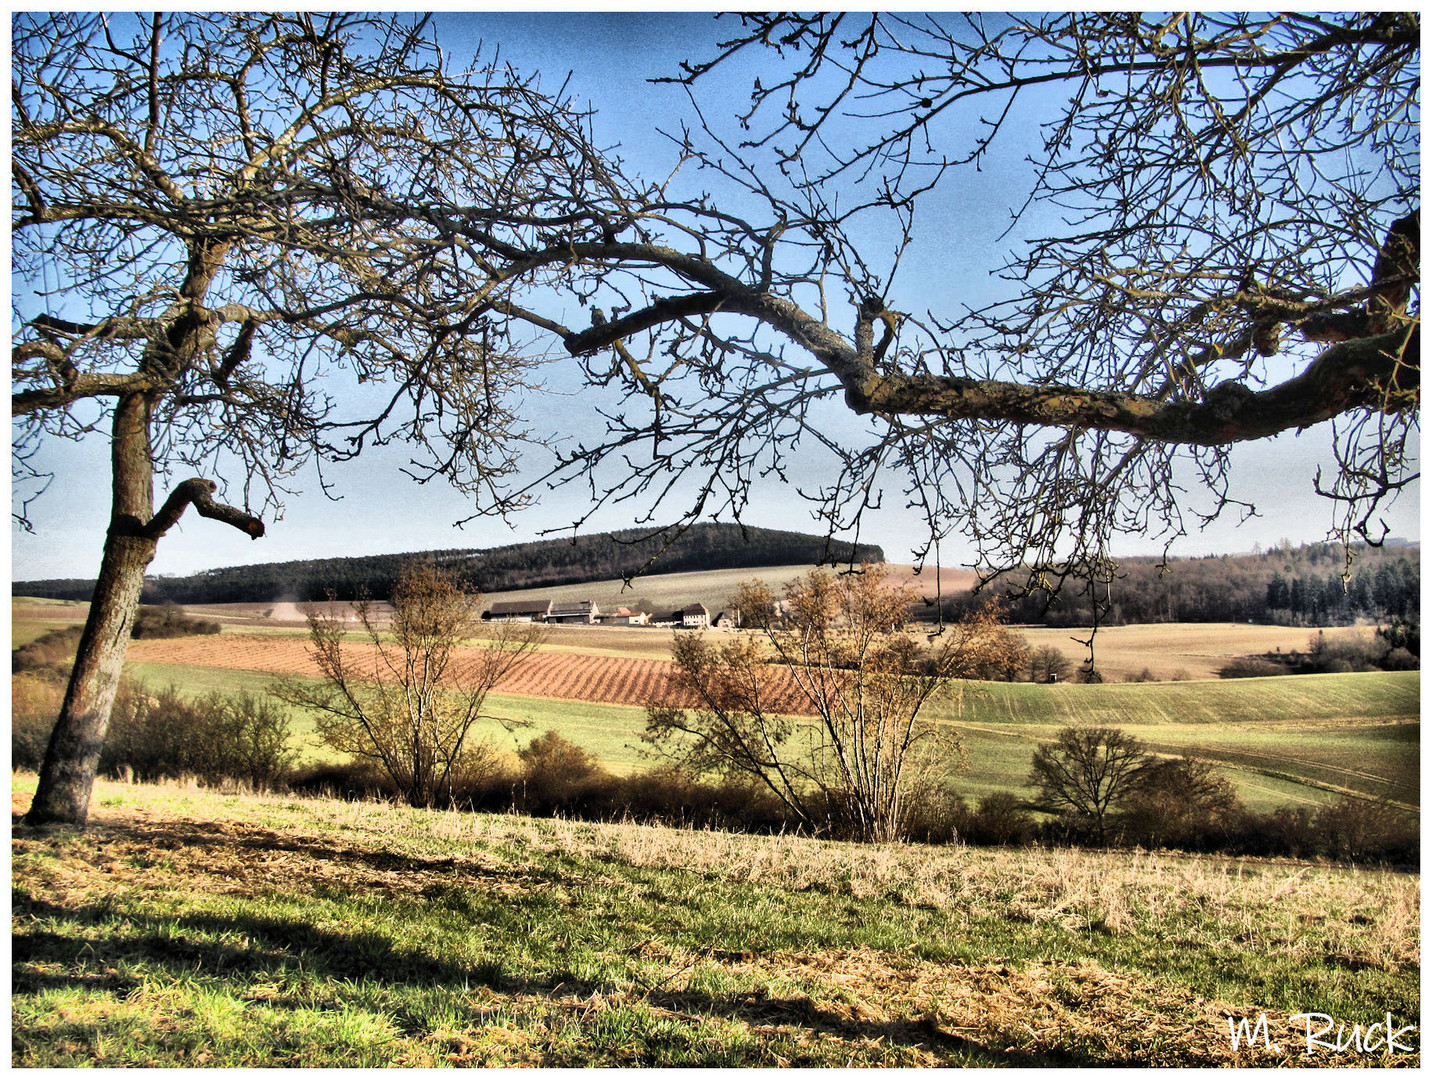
x: 189, y: 928
x: 1294, y: 739
x: 611, y: 732
x: 1291, y: 739
x: 24, y: 631
x: 1284, y: 699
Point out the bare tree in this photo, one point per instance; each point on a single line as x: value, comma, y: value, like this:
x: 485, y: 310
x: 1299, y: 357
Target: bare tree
x: 1233, y: 193
x: 1088, y: 771
x: 408, y: 696
x: 841, y: 641
x: 1047, y: 664
x: 215, y: 215
x: 234, y: 208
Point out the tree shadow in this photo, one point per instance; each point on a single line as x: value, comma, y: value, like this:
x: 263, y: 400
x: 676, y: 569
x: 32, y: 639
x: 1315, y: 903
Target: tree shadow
x: 274, y: 946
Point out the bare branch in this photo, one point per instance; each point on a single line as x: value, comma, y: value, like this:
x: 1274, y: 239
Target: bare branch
x: 199, y: 492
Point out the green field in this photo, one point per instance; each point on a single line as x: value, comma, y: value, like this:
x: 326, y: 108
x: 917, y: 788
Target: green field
x: 190, y: 928
x: 1299, y: 739
x: 1293, y: 739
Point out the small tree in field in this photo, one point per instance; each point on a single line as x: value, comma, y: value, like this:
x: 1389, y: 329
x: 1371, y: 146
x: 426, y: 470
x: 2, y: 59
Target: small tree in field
x: 841, y: 642
x: 1087, y: 771
x: 1047, y: 664
x: 408, y: 696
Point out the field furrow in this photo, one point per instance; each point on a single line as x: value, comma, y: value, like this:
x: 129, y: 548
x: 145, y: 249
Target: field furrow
x: 613, y: 680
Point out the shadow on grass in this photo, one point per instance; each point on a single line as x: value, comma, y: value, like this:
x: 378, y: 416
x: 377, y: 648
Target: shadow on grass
x: 132, y: 946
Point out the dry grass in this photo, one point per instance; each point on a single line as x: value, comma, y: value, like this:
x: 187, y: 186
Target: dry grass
x: 1175, y: 650
x: 953, y: 956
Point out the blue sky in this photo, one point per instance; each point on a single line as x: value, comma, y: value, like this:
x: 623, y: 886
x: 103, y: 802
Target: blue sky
x: 609, y: 58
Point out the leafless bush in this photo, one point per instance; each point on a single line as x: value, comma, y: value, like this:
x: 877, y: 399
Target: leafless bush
x: 52, y: 652
x: 166, y: 734
x: 558, y: 774
x: 1250, y: 667
x: 1363, y: 830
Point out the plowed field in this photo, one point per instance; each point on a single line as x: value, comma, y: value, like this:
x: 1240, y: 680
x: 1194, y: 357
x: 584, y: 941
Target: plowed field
x: 614, y: 680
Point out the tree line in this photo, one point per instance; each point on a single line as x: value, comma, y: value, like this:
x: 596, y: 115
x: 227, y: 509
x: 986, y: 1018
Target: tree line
x: 535, y: 564
x: 1285, y: 585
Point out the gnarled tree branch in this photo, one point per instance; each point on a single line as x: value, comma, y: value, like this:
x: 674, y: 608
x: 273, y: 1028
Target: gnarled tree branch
x: 199, y: 492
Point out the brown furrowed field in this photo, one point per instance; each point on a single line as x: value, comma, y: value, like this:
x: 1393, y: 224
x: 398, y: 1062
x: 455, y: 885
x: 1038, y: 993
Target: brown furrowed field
x: 621, y: 666
x: 611, y: 680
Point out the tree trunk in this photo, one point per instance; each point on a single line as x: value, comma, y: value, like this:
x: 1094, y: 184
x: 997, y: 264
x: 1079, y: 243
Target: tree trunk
x: 68, y: 772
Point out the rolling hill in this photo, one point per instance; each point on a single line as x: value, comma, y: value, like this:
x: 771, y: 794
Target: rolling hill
x: 708, y: 546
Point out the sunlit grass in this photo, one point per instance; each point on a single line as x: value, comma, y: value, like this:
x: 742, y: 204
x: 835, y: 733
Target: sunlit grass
x: 1291, y: 740
x: 192, y: 928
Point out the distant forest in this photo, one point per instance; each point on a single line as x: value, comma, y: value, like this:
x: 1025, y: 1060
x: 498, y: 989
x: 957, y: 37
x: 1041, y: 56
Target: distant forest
x: 1285, y: 585
x: 537, y: 564
x: 1296, y: 586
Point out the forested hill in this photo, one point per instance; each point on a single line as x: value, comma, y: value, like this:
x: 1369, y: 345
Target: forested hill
x: 514, y: 566
x: 1291, y: 586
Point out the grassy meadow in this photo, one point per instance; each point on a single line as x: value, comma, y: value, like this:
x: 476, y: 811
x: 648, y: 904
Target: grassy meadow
x: 188, y: 927
x: 1302, y: 740
x: 1293, y: 739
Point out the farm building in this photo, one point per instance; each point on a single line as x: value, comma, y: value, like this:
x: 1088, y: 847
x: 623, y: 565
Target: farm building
x: 695, y: 615
x: 580, y: 611
x: 520, y: 610
x: 624, y: 617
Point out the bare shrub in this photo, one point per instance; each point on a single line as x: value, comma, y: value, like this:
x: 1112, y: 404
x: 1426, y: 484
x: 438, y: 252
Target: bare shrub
x: 169, y: 621
x: 52, y: 652
x: 165, y: 734
x: 251, y: 740
x: 34, y: 703
x: 1251, y: 667
x: 558, y: 774
x: 1345, y: 652
x: 409, y: 702
x: 1182, y: 802
x: 1002, y: 820
x: 842, y: 640
x: 342, y: 780
x: 1363, y: 830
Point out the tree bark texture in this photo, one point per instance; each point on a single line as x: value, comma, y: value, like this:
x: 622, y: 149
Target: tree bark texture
x: 67, y: 774
x: 72, y: 756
